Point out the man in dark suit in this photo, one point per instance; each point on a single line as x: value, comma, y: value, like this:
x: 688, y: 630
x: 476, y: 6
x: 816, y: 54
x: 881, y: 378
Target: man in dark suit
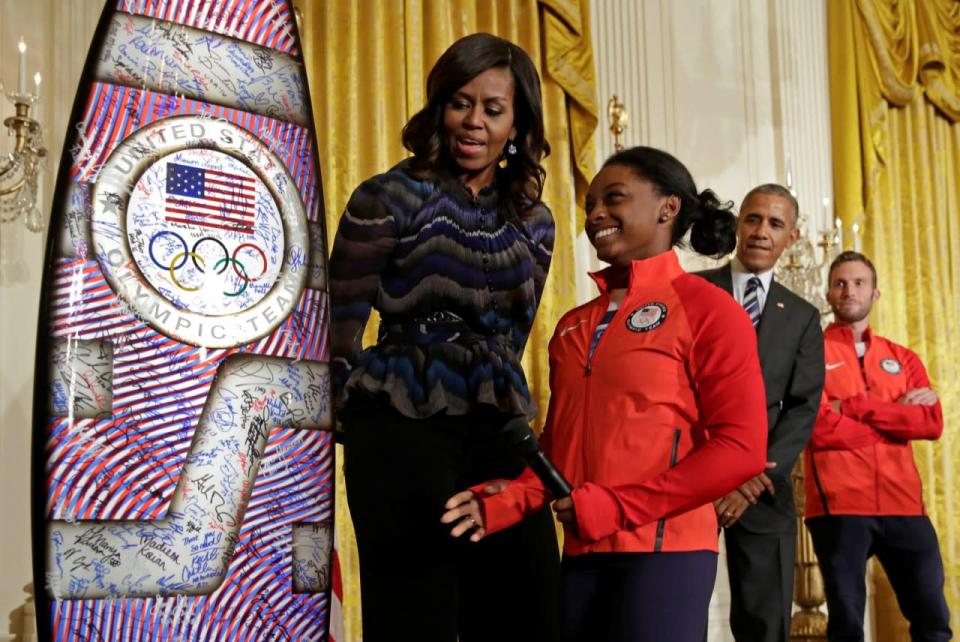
x: 759, y: 517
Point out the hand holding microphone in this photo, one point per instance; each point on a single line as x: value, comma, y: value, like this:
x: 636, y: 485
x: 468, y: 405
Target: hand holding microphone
x: 522, y: 438
x: 464, y: 508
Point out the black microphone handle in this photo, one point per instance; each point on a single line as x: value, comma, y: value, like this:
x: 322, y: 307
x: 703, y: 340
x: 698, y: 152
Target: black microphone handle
x: 558, y: 486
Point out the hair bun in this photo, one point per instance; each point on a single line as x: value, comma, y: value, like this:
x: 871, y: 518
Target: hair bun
x: 714, y: 230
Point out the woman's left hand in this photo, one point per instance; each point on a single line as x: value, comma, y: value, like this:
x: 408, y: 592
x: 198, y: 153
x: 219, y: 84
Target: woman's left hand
x: 566, y: 514
x: 463, y: 510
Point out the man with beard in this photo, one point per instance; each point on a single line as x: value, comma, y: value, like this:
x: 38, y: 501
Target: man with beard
x: 759, y: 517
x: 863, y: 491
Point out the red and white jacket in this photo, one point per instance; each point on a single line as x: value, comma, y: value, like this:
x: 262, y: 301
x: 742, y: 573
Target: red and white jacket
x: 860, y: 461
x: 668, y: 415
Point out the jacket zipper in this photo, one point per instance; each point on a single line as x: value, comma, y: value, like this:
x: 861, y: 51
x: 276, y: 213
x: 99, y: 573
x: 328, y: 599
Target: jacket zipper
x: 662, y: 522
x: 586, y: 379
x: 876, y: 456
x: 589, y: 367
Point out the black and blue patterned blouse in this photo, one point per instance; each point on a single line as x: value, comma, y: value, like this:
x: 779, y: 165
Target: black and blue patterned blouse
x: 456, y: 284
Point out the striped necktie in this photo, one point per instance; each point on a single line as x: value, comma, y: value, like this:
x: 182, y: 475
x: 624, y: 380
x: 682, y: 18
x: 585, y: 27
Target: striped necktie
x: 751, y: 302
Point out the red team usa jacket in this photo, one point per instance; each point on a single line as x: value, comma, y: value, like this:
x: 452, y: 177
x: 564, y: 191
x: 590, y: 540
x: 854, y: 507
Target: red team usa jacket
x: 668, y: 415
x: 860, y: 461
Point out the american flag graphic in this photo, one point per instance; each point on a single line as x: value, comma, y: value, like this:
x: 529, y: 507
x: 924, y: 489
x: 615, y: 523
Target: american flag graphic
x: 209, y: 198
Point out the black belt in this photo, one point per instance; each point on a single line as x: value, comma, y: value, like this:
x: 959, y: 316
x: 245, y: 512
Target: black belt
x: 435, y: 328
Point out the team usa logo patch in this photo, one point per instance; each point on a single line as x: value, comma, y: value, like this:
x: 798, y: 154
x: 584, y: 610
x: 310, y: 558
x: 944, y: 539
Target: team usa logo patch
x: 212, y: 232
x: 649, y: 316
x: 891, y: 366
x: 200, y: 229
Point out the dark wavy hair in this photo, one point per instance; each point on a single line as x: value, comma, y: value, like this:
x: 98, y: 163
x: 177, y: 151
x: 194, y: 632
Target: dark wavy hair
x: 712, y: 225
x: 465, y: 59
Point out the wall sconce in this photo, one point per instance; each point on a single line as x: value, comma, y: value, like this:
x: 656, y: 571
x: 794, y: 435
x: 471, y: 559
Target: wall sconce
x: 617, y: 116
x: 20, y: 168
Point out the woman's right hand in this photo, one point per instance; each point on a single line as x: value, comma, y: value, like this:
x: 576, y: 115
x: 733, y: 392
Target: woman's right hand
x: 463, y: 510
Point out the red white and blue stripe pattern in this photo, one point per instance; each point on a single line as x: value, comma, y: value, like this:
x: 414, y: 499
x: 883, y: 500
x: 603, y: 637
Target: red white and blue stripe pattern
x: 126, y: 467
x: 264, y: 22
x: 255, y: 602
x: 159, y: 388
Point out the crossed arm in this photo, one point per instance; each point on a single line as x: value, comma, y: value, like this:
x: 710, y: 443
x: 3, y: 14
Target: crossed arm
x: 859, y: 421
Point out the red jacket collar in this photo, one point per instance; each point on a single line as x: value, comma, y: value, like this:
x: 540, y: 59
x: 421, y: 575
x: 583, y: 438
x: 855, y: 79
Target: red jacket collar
x: 662, y: 268
x: 842, y: 332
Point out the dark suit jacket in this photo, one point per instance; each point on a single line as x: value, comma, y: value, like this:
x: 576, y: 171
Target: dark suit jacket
x: 790, y: 343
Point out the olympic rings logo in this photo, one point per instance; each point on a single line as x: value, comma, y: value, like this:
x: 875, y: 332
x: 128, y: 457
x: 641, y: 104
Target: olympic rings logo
x: 179, y: 259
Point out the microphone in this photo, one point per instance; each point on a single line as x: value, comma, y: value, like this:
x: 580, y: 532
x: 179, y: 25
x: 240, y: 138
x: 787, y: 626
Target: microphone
x: 520, y: 436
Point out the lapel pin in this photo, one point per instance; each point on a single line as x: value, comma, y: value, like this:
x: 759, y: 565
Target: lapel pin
x: 779, y: 305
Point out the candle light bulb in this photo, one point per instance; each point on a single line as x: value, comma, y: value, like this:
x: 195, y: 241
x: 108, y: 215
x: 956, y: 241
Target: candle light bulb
x: 22, y: 76
x: 37, y: 79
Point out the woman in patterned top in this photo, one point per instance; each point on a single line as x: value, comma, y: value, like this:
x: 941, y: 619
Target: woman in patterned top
x: 452, y: 247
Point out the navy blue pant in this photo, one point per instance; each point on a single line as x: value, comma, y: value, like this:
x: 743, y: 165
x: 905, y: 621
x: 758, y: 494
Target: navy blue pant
x: 908, y: 550
x: 637, y: 597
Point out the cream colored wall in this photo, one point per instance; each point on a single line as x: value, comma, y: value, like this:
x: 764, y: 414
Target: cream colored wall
x: 57, y: 33
x: 731, y: 87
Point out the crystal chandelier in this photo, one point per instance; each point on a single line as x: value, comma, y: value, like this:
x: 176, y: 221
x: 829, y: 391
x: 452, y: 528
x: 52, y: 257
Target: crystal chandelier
x: 20, y: 169
x: 801, y: 268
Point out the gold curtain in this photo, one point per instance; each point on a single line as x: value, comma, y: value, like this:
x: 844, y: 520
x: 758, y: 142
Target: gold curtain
x: 367, y: 64
x: 895, y: 103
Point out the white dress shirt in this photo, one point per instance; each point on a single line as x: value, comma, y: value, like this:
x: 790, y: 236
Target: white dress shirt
x: 740, y: 277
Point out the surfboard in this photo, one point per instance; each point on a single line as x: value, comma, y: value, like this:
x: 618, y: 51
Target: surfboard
x: 182, y: 452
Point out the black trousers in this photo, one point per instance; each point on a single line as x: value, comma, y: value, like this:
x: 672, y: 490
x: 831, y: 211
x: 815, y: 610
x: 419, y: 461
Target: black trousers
x: 760, y: 567
x: 637, y: 597
x: 908, y: 550
x: 416, y: 581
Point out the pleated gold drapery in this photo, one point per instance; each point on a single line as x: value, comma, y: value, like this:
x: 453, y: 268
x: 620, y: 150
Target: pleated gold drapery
x: 895, y: 103
x: 367, y: 64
